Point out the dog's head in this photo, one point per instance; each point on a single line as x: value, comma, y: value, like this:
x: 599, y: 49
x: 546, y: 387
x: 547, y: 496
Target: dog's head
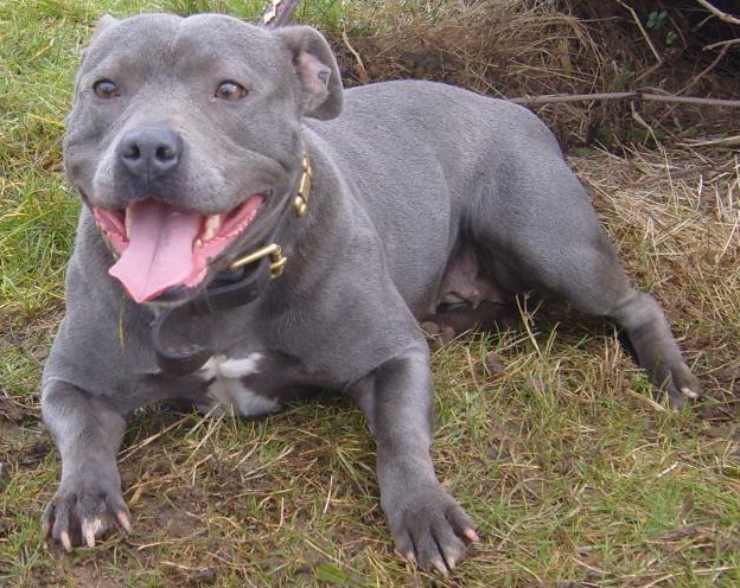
x: 185, y: 139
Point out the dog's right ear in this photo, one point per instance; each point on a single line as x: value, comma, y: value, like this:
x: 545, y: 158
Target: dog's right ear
x: 104, y: 22
x: 317, y: 71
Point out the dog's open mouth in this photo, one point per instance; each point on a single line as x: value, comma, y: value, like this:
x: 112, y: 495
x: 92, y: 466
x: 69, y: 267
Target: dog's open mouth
x: 161, y: 247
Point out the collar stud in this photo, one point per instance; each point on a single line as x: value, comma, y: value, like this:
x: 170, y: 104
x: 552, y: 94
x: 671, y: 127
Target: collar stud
x: 300, y: 202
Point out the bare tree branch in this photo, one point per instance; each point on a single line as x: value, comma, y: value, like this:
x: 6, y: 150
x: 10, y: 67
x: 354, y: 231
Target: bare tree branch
x: 723, y: 16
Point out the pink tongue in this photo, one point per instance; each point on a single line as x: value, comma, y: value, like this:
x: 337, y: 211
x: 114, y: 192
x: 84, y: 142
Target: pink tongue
x: 160, y: 249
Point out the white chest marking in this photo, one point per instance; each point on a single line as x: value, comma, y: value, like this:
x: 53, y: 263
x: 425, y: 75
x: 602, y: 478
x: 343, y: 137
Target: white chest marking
x: 228, y: 390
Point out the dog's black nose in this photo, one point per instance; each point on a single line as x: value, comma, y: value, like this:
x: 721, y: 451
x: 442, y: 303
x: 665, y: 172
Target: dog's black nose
x: 150, y: 152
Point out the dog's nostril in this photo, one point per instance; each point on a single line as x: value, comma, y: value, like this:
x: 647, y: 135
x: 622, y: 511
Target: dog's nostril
x: 165, y: 153
x: 132, y: 152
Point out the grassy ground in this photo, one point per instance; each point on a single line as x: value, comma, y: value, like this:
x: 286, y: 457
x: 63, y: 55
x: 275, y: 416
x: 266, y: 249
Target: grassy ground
x: 566, y: 458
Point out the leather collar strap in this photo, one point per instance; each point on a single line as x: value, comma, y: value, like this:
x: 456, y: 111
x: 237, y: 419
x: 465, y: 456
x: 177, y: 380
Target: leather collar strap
x: 242, y: 283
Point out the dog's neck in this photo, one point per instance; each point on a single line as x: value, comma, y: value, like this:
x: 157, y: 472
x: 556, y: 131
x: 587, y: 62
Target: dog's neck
x: 243, y: 282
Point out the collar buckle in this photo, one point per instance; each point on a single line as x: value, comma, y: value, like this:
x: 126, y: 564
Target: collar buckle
x: 277, y: 259
x: 274, y: 251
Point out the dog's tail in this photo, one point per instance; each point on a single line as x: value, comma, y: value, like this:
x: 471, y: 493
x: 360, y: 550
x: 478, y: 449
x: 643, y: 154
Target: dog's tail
x: 278, y: 13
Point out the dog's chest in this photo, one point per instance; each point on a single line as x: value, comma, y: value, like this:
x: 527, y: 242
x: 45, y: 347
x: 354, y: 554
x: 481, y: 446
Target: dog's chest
x: 255, y: 384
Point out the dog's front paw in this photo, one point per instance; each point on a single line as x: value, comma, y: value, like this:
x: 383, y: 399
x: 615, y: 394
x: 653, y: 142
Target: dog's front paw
x: 84, y: 508
x: 681, y: 384
x: 430, y: 528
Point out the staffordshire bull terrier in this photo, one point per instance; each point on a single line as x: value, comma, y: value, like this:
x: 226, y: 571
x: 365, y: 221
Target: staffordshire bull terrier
x: 251, y: 232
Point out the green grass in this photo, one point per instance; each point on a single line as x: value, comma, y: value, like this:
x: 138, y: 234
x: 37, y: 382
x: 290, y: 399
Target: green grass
x: 572, y: 472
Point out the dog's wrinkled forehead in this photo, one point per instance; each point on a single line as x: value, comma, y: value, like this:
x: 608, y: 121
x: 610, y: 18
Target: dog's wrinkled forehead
x: 164, y: 44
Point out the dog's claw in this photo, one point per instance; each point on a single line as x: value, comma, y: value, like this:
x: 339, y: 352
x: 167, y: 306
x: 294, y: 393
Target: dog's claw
x: 440, y: 566
x: 123, y: 520
x: 409, y: 555
x: 66, y: 541
x: 471, y: 535
x: 689, y: 393
x: 90, y: 529
x: 451, y: 561
x: 89, y: 534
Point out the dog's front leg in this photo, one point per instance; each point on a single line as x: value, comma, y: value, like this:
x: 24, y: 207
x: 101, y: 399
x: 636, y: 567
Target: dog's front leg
x: 88, y: 432
x: 427, y: 523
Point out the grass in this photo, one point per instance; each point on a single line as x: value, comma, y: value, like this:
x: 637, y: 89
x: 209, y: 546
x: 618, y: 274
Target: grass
x: 566, y: 459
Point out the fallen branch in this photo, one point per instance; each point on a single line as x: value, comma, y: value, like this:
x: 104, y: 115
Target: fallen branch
x: 560, y: 98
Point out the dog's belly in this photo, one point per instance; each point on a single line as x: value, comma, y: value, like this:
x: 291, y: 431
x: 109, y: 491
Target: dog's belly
x: 256, y: 384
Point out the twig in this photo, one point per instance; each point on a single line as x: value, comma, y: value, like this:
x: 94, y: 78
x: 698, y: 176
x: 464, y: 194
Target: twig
x: 705, y: 71
x: 554, y: 98
x: 361, y: 71
x: 676, y: 26
x: 691, y: 100
x: 727, y: 43
x: 134, y: 448
x: 278, y: 13
x: 526, y: 321
x: 647, y: 400
x: 648, y: 72
x: 559, y: 98
x: 641, y: 121
x: 666, y: 471
x: 642, y: 30
x: 723, y: 16
x: 727, y: 141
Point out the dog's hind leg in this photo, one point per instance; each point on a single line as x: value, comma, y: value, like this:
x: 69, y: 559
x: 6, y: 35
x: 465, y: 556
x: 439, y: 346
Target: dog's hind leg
x: 539, y: 231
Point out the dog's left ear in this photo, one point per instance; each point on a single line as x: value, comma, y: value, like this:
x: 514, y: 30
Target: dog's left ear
x: 317, y: 71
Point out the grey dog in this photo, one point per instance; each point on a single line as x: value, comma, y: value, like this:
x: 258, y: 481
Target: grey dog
x: 251, y: 232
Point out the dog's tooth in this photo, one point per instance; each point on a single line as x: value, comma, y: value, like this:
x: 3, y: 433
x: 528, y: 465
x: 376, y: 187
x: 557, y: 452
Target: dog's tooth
x: 213, y: 224
x: 128, y: 214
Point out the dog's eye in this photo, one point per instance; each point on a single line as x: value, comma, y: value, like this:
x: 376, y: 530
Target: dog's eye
x: 106, y: 89
x: 230, y: 91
